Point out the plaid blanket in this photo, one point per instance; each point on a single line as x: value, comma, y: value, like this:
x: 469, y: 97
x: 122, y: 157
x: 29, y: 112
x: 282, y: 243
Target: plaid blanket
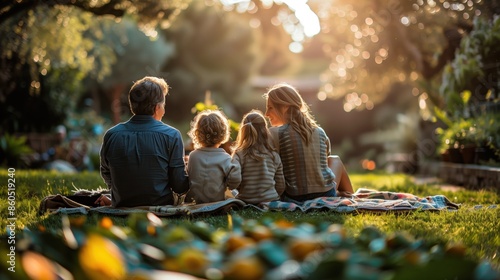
x: 364, y: 200
x: 219, y: 207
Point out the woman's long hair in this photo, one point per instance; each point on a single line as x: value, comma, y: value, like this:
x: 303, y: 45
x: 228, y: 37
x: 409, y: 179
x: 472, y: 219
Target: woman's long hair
x: 298, y: 114
x: 254, y: 137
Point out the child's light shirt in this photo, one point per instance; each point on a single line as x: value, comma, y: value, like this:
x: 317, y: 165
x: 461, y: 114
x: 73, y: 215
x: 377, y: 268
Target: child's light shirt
x: 211, y: 171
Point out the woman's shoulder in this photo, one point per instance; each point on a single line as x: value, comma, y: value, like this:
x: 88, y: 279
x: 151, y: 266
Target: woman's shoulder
x: 320, y: 130
x: 274, y: 129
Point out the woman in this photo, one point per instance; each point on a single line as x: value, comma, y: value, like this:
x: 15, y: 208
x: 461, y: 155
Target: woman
x: 304, y: 148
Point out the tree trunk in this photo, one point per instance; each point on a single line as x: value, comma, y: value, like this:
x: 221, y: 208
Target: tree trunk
x: 116, y: 106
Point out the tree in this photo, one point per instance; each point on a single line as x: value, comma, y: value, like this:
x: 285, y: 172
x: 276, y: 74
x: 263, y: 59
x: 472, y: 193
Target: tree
x: 48, y: 48
x: 471, y: 81
x: 42, y: 65
x: 148, y: 12
x: 373, y: 44
x: 136, y: 55
x: 214, y: 51
x: 377, y: 43
x: 380, y: 50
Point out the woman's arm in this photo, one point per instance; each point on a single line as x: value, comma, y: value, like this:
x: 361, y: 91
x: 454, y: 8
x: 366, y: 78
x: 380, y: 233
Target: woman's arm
x: 279, y: 179
x: 344, y: 186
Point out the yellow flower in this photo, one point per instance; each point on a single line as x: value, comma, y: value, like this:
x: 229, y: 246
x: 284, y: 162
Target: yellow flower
x: 192, y: 261
x: 189, y: 260
x: 100, y: 258
x: 245, y: 269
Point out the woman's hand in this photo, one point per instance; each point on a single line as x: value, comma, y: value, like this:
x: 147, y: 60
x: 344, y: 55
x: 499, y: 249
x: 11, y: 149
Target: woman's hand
x: 103, y: 200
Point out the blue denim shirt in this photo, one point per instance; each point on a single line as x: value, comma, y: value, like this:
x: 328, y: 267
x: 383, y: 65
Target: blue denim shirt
x: 142, y: 161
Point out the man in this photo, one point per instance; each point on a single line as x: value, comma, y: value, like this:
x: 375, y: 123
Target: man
x: 142, y: 160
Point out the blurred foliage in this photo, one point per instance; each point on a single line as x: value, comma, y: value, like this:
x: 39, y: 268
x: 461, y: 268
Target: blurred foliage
x: 136, y: 55
x: 460, y: 133
x: 208, y: 104
x: 12, y: 150
x: 247, y: 249
x: 214, y: 50
x: 374, y: 44
x: 88, y: 124
x: 275, y: 57
x: 482, y: 131
x: 43, y: 65
x: 105, y: 55
x: 472, y: 80
x: 49, y: 48
x: 370, y: 47
x: 471, y: 90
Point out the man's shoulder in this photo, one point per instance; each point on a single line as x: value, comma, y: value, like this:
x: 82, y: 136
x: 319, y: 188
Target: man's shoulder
x: 165, y: 128
x: 157, y: 127
x: 116, y: 128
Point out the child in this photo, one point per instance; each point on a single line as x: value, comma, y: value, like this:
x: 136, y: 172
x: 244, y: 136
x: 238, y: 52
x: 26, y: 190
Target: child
x: 209, y: 167
x: 261, y: 168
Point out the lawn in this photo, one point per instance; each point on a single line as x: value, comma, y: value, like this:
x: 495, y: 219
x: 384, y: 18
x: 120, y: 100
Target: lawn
x: 468, y: 237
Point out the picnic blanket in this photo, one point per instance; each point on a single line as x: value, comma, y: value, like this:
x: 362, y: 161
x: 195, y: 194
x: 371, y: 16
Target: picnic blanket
x: 364, y: 200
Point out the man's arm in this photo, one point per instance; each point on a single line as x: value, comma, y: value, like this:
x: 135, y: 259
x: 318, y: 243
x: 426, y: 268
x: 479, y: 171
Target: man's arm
x: 104, y: 165
x: 177, y: 175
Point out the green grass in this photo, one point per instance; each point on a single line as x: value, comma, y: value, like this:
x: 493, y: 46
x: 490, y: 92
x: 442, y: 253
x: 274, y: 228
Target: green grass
x: 476, y: 229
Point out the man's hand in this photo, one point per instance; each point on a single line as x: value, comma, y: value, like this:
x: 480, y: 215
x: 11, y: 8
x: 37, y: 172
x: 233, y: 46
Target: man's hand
x: 103, y: 200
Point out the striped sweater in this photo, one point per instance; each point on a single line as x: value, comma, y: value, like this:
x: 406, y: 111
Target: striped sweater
x: 261, y: 181
x: 305, y: 167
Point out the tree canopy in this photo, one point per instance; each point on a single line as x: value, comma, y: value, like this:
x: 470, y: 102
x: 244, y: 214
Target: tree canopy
x: 214, y: 51
x: 50, y: 47
x: 373, y: 44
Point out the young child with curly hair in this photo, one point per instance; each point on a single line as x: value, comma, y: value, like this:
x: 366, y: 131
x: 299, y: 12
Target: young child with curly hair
x: 210, y: 168
x: 261, y: 168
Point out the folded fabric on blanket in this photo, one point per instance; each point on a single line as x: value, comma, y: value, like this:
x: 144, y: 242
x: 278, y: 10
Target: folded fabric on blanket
x: 364, y: 200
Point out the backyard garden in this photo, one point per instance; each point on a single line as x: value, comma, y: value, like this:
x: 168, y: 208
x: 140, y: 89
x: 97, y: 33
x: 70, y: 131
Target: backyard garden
x: 405, y: 91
